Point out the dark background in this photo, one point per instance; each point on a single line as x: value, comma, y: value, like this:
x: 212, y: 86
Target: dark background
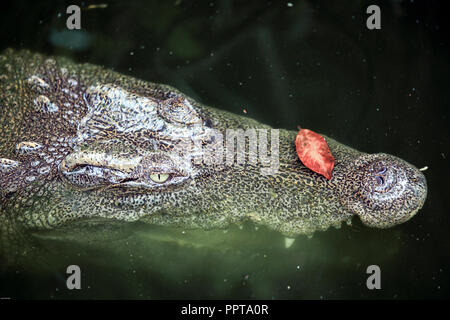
x: 312, y: 63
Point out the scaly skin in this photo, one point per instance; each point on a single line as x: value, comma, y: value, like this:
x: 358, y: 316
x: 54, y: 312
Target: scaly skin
x: 81, y: 142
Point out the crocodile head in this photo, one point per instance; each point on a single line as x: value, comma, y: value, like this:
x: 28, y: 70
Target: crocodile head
x: 173, y: 162
x: 93, y: 144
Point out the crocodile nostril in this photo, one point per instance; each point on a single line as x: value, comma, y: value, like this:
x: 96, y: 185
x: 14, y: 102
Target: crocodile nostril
x: 380, y: 180
x: 382, y: 170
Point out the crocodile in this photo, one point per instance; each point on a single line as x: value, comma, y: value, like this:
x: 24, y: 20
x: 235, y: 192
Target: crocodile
x: 79, y: 142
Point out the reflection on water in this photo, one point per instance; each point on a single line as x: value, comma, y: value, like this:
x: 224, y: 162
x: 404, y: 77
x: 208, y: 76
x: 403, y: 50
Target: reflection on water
x: 140, y: 261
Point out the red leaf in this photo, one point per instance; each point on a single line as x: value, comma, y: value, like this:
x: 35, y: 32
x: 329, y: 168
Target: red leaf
x: 313, y: 152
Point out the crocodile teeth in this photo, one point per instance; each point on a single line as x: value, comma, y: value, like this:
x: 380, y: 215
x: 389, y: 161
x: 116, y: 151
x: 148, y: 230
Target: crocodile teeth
x: 288, y: 242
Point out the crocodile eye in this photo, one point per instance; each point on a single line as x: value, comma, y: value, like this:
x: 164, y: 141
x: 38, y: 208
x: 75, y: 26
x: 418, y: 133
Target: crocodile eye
x: 159, y: 177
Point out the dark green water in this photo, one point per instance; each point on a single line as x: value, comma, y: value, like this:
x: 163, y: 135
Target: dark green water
x: 313, y: 64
